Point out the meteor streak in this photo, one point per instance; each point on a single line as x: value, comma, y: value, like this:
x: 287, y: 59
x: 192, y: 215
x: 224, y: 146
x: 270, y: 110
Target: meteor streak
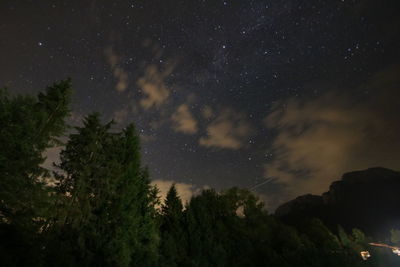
x: 365, y: 254
x: 260, y: 184
x: 396, y: 250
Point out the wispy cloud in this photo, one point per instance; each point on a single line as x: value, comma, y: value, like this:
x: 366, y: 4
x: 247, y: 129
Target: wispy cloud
x: 153, y: 85
x: 319, y: 139
x: 120, y: 115
x: 118, y: 72
x: 228, y: 130
x: 207, y: 112
x: 183, y: 120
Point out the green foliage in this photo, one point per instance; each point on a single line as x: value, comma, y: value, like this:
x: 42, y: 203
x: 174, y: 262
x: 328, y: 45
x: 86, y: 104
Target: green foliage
x: 29, y: 126
x: 173, y: 240
x: 108, y: 199
x: 343, y: 237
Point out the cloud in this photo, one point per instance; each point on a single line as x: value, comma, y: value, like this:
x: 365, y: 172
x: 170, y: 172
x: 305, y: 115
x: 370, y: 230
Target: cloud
x: 146, y: 138
x: 229, y: 130
x: 119, y: 73
x: 320, y: 139
x: 120, y: 115
x: 153, y: 86
x: 185, y: 191
x: 183, y: 120
x: 207, y: 112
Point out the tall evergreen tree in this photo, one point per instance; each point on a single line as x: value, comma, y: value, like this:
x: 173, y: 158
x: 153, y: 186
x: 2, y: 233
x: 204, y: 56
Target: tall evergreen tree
x: 173, y: 241
x: 28, y: 127
x: 108, y: 199
x: 136, y: 233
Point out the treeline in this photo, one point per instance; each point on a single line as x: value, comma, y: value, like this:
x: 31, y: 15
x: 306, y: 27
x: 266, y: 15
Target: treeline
x: 99, y: 209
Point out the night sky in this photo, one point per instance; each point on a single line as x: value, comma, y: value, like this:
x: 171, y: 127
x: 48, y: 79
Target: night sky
x: 223, y: 93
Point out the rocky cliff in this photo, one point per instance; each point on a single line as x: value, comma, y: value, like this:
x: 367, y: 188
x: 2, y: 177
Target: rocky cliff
x: 368, y: 199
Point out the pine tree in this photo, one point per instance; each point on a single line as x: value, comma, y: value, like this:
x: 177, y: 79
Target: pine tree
x: 172, y: 208
x: 108, y: 199
x: 29, y: 126
x: 173, y: 241
x: 133, y: 212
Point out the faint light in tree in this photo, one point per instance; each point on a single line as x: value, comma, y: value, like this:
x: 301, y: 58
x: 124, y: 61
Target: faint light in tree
x: 365, y: 255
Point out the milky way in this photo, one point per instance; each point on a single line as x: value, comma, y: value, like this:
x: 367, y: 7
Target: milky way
x: 204, y: 82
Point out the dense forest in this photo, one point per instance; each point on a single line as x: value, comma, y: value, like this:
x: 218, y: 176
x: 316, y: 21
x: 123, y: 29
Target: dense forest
x: 99, y: 209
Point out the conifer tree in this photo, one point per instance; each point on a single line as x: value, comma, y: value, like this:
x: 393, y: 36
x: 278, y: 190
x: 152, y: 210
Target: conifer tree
x: 173, y: 241
x: 29, y: 126
x: 108, y: 199
x: 136, y: 233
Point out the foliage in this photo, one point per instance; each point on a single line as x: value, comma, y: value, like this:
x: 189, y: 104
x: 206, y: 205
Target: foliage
x: 107, y: 202
x: 29, y: 126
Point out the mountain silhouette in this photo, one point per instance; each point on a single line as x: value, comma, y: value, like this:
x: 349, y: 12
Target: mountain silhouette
x: 367, y: 199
